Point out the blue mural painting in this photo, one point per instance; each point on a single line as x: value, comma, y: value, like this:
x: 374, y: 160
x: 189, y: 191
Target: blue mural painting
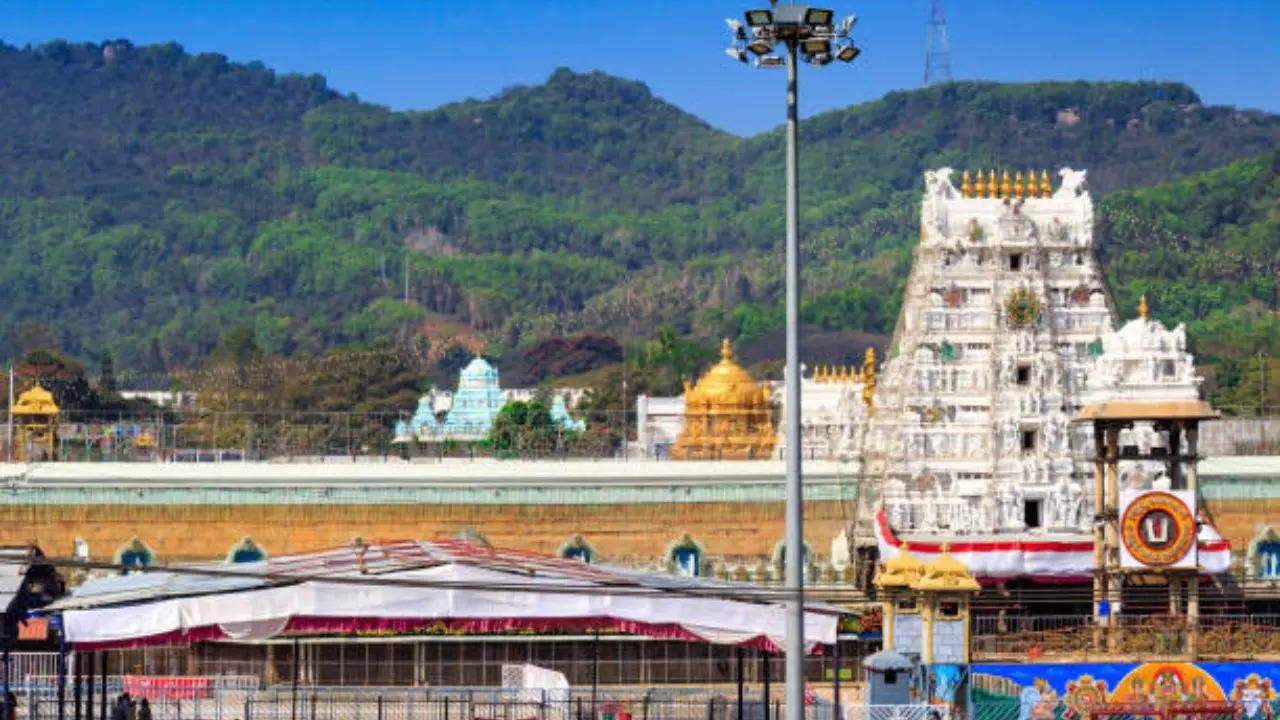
x: 1049, y: 691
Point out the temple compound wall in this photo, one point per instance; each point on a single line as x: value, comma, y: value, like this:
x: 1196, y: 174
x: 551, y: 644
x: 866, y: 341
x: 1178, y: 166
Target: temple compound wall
x: 723, y: 519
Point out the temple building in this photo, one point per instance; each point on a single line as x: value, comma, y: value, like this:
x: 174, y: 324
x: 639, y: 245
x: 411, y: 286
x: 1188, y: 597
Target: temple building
x: 727, y: 415
x: 35, y: 426
x: 1007, y: 330
x: 471, y: 409
x: 835, y: 404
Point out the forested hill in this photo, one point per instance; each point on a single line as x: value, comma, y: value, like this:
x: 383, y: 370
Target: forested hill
x: 151, y: 201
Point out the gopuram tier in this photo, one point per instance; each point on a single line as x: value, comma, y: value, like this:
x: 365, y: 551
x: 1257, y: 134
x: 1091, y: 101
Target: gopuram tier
x: 1007, y: 330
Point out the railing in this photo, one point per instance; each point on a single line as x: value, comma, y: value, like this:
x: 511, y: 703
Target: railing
x: 1030, y: 635
x: 522, y: 704
x: 1239, y: 635
x: 222, y: 701
x: 1226, y: 636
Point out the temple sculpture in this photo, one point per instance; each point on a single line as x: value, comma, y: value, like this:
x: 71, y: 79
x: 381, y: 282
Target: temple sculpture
x: 727, y: 416
x: 835, y: 403
x: 1006, y: 330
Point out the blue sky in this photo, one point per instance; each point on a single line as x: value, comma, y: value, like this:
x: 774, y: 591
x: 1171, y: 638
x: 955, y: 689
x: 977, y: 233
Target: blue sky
x: 419, y: 54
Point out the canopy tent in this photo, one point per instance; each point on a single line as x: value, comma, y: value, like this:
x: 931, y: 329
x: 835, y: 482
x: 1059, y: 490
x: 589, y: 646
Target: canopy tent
x: 415, y: 586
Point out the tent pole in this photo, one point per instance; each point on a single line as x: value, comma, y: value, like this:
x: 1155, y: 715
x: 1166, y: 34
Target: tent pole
x: 77, y: 683
x: 90, y: 659
x: 595, y: 672
x: 7, y: 643
x: 835, y: 678
x: 102, y: 669
x: 766, y: 684
x: 62, y: 672
x: 740, y: 716
x: 293, y: 710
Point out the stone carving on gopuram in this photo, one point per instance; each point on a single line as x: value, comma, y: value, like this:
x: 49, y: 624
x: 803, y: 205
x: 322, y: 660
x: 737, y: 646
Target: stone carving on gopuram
x: 1006, y: 330
x: 727, y: 416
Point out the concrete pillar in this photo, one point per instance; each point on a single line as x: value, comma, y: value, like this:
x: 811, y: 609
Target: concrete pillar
x: 1193, y: 617
x: 1112, y: 558
x: 1099, y: 539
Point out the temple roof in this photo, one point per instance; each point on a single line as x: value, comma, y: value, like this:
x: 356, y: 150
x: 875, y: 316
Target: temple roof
x: 1148, y: 410
x: 946, y: 573
x: 479, y: 371
x: 726, y: 385
x: 36, y: 401
x: 900, y: 571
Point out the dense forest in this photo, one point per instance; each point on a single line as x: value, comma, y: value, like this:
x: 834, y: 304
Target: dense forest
x: 154, y: 201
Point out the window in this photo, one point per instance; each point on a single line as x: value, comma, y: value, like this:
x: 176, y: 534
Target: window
x: 948, y: 610
x: 1167, y: 369
x: 246, y: 551
x: 1031, y: 513
x: 1015, y: 261
x: 1028, y: 440
x: 906, y: 605
x: 133, y: 556
x: 577, y: 548
x: 1024, y: 375
x: 686, y: 557
x: 890, y: 677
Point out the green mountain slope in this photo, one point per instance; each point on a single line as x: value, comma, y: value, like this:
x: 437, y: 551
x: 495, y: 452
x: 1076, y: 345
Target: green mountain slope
x: 1205, y: 250
x: 152, y: 200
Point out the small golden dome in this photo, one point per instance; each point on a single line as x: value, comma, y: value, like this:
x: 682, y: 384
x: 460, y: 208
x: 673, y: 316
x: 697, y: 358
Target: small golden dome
x: 900, y: 571
x: 946, y: 573
x: 726, y: 384
x: 726, y: 415
x: 36, y: 401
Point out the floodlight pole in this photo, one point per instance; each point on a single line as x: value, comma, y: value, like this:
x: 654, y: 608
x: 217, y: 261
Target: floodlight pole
x: 795, y: 492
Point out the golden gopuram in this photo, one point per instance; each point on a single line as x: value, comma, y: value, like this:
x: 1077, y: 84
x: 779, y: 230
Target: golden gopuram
x: 727, y: 416
x: 35, y: 420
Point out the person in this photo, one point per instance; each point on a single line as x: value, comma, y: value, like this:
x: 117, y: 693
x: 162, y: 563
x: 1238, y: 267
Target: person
x: 120, y: 709
x: 144, y: 709
x: 11, y: 702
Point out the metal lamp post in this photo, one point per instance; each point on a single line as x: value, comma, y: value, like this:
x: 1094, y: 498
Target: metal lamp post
x: 812, y: 32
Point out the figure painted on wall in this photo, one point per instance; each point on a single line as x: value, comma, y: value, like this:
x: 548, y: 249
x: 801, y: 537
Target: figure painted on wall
x: 1035, y: 688
x: 1255, y: 697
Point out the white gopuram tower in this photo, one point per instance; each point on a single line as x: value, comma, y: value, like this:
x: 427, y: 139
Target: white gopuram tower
x: 1007, y: 329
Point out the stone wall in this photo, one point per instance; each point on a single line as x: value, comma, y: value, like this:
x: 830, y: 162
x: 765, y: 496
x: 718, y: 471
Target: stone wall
x: 739, y: 532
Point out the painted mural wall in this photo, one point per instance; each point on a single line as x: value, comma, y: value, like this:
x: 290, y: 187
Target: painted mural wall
x: 1045, y: 692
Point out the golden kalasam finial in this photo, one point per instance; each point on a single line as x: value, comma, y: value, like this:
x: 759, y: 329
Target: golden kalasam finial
x: 979, y: 186
x: 1031, y: 183
x: 1046, y: 187
x: 993, y: 186
x: 1006, y: 186
x: 1142, y: 308
x: 869, y: 379
x: 726, y: 350
x: 1017, y: 185
x: 844, y: 374
x: 819, y: 375
x: 966, y: 186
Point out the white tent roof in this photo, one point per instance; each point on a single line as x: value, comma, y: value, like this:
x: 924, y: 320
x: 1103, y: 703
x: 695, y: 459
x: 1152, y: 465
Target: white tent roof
x: 416, y: 585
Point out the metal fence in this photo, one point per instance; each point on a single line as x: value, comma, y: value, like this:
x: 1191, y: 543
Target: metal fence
x: 1152, y: 634
x: 492, y: 704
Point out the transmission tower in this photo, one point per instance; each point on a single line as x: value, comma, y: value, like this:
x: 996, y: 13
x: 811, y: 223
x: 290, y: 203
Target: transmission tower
x: 937, y: 54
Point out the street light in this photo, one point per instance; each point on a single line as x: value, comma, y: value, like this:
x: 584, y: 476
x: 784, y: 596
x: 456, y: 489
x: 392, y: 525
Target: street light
x: 811, y: 30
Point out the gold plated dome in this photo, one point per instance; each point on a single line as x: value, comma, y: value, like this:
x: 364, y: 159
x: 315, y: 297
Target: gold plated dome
x: 36, y: 401
x: 945, y: 573
x: 901, y: 570
x: 727, y: 416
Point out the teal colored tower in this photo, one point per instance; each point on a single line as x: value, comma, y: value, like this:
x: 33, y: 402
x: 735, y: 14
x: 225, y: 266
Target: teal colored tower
x: 475, y: 404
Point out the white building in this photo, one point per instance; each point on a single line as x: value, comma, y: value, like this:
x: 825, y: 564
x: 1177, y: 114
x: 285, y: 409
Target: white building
x: 1006, y: 331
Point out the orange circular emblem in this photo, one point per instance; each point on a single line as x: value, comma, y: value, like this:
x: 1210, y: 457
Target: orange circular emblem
x: 1158, y: 529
